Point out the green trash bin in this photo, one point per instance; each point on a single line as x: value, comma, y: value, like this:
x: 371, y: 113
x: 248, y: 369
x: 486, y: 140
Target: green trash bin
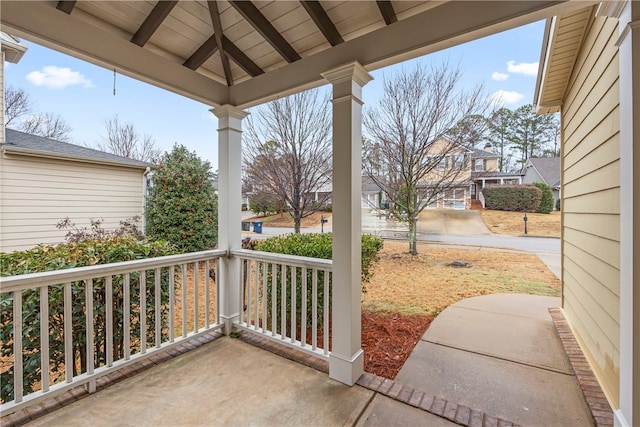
x: 246, y: 226
x: 257, y: 227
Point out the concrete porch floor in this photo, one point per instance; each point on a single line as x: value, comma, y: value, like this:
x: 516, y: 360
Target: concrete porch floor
x: 497, y: 353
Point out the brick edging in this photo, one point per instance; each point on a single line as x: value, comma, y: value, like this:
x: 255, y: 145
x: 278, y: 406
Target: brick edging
x: 593, y: 394
x: 452, y: 411
x: 54, y: 403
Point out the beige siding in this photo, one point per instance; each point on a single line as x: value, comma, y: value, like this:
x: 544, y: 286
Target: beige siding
x: 591, y: 193
x: 36, y: 193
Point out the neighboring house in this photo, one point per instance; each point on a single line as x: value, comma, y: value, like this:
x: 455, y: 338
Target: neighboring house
x: 479, y: 168
x: 42, y: 181
x: 546, y: 170
x: 590, y: 73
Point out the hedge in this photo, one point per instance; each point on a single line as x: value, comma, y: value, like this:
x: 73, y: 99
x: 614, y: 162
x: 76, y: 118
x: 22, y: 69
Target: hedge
x: 518, y: 198
x: 546, y: 202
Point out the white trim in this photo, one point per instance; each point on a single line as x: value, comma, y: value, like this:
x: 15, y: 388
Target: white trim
x: 618, y: 419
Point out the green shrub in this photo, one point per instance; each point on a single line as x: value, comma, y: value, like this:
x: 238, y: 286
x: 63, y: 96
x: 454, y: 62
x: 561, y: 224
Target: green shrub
x: 69, y: 255
x: 263, y: 202
x: 518, y: 198
x: 182, y: 207
x: 546, y: 201
x: 314, y: 246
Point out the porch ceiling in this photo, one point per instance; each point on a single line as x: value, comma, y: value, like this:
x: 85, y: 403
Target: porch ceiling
x: 246, y: 52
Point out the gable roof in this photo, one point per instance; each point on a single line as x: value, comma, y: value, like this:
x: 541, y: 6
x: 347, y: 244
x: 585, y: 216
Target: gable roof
x: 477, y: 153
x: 547, y: 167
x: 12, y: 48
x: 17, y: 142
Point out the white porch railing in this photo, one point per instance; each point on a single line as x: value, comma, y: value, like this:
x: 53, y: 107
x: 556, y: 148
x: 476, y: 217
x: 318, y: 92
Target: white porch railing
x: 287, y: 298
x: 98, y: 314
x: 106, y: 316
x: 481, y: 197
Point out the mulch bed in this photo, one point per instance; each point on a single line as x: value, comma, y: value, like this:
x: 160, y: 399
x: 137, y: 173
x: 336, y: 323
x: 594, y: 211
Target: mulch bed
x: 388, y: 339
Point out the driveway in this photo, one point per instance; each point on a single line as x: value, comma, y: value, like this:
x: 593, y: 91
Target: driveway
x: 450, y: 221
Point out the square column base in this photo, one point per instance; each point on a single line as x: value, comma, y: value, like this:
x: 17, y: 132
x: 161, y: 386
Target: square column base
x: 346, y: 371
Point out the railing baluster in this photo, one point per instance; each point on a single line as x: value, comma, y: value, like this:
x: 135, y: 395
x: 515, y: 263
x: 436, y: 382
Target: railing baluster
x: 196, y: 273
x: 218, y: 302
x: 314, y: 309
x: 249, y: 293
x: 90, y: 349
x: 68, y: 334
x: 304, y: 319
x: 44, y: 338
x: 274, y: 297
x: 294, y: 307
x: 325, y: 311
x: 109, y: 318
x: 207, y: 298
x: 172, y: 302
x: 184, y: 300
x: 126, y: 316
x: 143, y: 311
x: 265, y: 271
x: 256, y: 293
x: 283, y: 301
x: 157, y: 311
x: 17, y: 347
x: 242, y: 285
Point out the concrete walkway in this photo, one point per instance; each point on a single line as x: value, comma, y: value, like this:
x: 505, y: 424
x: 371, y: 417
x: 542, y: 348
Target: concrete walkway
x: 484, y: 361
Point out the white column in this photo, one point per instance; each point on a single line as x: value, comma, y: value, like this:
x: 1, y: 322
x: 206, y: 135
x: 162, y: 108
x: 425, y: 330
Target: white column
x: 229, y: 208
x: 346, y: 362
x: 629, y: 57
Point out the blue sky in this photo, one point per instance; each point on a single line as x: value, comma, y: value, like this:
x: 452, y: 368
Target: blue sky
x: 506, y: 63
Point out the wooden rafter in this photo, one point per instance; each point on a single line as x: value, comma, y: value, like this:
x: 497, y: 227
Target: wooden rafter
x: 66, y: 6
x: 160, y: 11
x: 262, y: 25
x: 240, y: 58
x: 323, y: 22
x: 203, y: 53
x: 386, y: 9
x: 217, y: 32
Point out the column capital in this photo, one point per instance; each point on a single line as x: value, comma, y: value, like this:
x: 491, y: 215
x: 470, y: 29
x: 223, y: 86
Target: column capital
x: 352, y: 71
x: 228, y: 110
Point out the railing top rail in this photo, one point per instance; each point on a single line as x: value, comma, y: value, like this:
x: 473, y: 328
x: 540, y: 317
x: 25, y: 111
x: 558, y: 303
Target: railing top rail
x: 48, y: 278
x: 298, y: 261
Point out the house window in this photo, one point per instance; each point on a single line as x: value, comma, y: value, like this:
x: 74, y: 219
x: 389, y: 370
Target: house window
x: 478, y: 165
x: 458, y: 160
x: 442, y: 164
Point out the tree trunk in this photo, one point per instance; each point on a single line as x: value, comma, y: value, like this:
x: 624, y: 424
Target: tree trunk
x: 413, y: 248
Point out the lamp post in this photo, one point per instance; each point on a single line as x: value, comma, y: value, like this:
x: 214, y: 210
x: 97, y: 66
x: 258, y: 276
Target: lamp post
x: 525, y: 222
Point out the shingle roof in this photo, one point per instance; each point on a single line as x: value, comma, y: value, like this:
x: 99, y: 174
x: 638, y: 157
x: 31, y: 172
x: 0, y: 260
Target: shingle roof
x: 493, y: 174
x: 477, y: 153
x: 49, y: 147
x: 548, y: 168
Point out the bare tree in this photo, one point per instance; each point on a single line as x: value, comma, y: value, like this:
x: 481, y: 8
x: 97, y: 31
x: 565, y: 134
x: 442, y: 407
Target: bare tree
x: 124, y: 140
x: 288, y: 151
x: 16, y: 104
x: 415, y: 158
x: 48, y: 125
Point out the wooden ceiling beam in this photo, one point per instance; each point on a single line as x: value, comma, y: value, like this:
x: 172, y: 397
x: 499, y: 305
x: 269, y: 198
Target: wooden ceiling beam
x: 387, y: 12
x: 203, y: 53
x: 217, y: 32
x: 160, y: 11
x: 262, y: 25
x: 66, y: 6
x: 240, y: 58
x: 322, y: 21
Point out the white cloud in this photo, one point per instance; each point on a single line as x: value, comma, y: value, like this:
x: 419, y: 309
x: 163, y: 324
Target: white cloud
x: 526, y: 68
x: 502, y: 97
x: 58, y: 77
x: 499, y: 76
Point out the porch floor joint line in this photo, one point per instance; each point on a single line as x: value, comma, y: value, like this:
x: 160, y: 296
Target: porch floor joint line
x: 435, y: 405
x: 54, y: 403
x: 594, y: 396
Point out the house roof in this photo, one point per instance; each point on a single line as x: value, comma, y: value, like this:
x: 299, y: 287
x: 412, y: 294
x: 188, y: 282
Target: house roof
x: 244, y: 53
x: 477, y: 153
x: 12, y: 48
x: 493, y: 174
x: 563, y: 36
x: 17, y: 142
x: 547, y: 167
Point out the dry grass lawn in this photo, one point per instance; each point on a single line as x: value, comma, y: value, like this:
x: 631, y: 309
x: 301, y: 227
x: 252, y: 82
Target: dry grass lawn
x: 512, y: 223
x: 285, y: 220
x: 424, y: 284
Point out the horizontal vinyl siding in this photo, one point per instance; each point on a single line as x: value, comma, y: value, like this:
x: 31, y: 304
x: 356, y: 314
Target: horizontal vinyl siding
x: 37, y: 193
x: 591, y: 205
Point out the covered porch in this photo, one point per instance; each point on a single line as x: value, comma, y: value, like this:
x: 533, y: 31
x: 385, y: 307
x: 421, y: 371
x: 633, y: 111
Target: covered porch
x: 163, y: 44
